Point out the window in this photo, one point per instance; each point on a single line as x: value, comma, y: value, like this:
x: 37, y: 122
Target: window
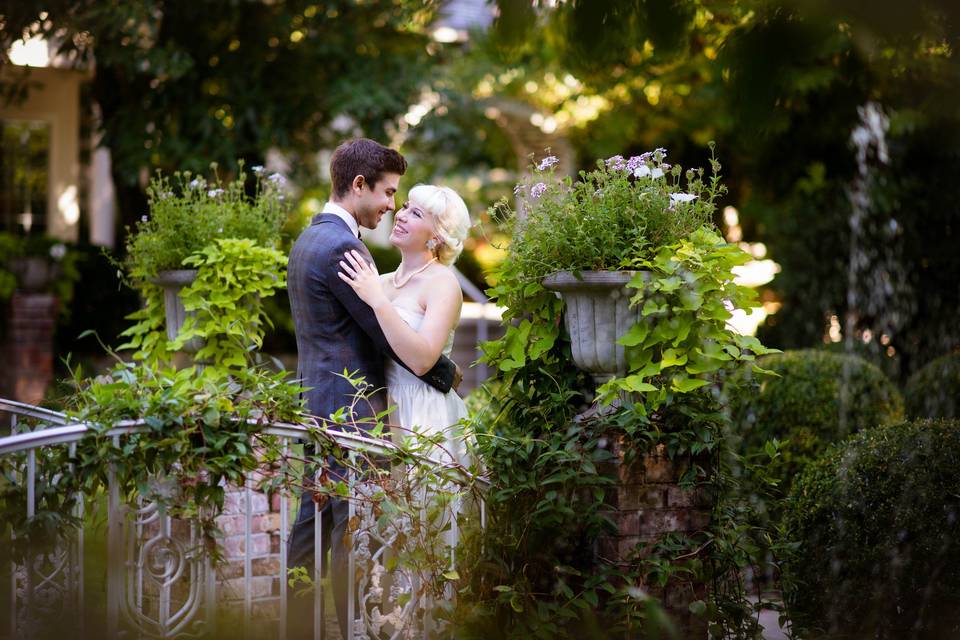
x: 24, y: 176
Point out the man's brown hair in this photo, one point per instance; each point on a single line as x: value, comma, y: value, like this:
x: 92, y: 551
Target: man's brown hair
x: 363, y: 157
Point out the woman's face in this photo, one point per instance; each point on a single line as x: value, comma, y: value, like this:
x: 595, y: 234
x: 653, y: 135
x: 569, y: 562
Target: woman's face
x: 412, y: 226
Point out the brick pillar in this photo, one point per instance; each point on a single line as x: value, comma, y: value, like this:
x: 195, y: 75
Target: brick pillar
x: 647, y: 502
x: 27, y: 350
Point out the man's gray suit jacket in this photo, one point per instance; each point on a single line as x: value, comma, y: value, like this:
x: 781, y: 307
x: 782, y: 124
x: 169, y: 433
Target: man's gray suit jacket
x: 335, y: 329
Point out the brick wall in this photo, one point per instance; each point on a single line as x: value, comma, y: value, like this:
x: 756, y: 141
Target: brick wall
x: 27, y: 347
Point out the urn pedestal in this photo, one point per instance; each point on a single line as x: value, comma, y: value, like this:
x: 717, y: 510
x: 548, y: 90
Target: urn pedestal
x: 172, y: 282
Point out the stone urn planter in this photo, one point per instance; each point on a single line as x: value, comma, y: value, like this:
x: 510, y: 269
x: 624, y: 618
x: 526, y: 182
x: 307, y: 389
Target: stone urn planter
x: 34, y: 273
x: 597, y: 313
x: 172, y: 282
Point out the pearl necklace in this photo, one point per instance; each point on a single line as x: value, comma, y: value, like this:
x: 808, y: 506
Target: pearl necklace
x: 396, y: 281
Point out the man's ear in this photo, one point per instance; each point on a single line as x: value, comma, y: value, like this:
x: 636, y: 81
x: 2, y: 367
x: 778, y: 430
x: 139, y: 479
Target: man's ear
x: 358, y: 182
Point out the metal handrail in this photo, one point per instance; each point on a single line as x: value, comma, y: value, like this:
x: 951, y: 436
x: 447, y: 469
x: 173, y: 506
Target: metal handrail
x: 32, y: 411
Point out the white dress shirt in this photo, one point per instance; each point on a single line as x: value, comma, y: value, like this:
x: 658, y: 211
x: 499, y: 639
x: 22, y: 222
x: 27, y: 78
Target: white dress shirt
x: 343, y: 214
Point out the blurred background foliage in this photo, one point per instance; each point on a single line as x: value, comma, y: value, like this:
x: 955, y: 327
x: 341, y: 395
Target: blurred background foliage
x: 776, y: 84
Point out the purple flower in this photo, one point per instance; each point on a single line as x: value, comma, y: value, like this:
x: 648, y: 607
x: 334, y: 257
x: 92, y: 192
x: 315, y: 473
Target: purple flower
x: 633, y: 163
x: 548, y: 162
x: 277, y: 179
x: 538, y: 189
x: 616, y: 163
x: 518, y: 190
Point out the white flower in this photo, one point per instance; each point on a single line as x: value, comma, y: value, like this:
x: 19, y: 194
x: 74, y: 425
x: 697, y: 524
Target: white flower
x: 58, y: 250
x: 682, y: 197
x: 642, y: 171
x: 195, y: 183
x: 656, y: 172
x: 637, y: 593
x: 213, y: 193
x: 143, y: 218
x: 257, y: 169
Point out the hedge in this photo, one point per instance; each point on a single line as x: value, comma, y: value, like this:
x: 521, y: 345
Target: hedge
x: 934, y: 390
x: 804, y: 406
x: 873, y: 527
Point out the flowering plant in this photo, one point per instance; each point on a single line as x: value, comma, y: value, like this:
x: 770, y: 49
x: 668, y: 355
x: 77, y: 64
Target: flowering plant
x: 189, y: 213
x: 612, y: 218
x: 37, y: 263
x: 231, y: 239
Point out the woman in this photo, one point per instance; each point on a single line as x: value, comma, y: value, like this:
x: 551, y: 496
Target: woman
x: 418, y: 307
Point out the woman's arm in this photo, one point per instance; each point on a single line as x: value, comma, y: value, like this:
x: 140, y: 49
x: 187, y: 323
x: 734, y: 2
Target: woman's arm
x: 419, y: 350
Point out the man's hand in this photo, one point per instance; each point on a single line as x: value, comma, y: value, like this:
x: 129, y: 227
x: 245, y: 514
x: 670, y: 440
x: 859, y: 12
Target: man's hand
x: 457, y: 376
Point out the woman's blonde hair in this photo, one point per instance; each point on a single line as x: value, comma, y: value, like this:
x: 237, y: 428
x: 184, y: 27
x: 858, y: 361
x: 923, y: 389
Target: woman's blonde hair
x: 451, y: 219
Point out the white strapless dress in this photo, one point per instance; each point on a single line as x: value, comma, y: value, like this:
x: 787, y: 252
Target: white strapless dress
x: 420, y: 407
x: 426, y: 529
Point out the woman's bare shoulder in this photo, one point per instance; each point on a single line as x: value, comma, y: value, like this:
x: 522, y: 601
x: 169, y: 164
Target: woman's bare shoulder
x: 443, y: 276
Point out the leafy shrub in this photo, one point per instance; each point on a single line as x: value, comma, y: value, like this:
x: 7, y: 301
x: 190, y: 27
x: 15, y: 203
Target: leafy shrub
x: 805, y: 406
x: 873, y: 526
x: 934, y: 390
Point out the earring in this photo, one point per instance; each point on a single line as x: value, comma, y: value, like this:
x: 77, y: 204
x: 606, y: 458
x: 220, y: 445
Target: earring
x: 432, y: 244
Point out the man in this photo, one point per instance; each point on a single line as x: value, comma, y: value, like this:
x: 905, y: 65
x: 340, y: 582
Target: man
x: 337, y: 331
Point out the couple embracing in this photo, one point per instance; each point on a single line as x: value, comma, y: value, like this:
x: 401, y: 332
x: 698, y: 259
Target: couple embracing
x: 395, y: 330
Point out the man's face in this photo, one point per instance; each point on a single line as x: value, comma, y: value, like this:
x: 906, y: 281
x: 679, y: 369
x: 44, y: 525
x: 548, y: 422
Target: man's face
x: 373, y: 201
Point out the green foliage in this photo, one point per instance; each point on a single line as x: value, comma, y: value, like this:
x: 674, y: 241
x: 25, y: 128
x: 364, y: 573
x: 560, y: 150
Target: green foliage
x: 611, y: 218
x: 188, y: 215
x: 807, y: 406
x: 682, y: 341
x: 934, y: 390
x: 224, y: 305
x: 873, y: 531
x: 531, y: 573
x: 199, y: 427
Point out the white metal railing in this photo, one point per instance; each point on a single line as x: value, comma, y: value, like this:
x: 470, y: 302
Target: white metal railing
x: 161, y: 584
